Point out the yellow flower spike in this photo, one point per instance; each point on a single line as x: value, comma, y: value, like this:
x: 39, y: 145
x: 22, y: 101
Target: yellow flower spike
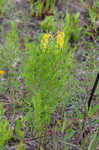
x: 44, y: 41
x: 2, y: 72
x: 44, y: 45
x: 60, y: 40
x: 46, y: 36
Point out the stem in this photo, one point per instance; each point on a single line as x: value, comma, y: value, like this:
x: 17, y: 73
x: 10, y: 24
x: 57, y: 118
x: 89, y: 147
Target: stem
x: 93, y: 91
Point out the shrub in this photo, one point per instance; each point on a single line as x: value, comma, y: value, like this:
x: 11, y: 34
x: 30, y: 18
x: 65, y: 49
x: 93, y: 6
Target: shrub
x: 46, y: 70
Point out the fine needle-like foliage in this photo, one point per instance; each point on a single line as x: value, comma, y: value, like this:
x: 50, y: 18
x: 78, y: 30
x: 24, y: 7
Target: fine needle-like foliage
x: 46, y: 70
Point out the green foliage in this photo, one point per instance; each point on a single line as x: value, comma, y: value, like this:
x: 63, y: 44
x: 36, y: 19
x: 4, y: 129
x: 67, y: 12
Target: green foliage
x: 21, y: 146
x: 38, y: 6
x: 41, y: 148
x: 46, y: 66
x: 93, y: 110
x: 93, y: 11
x: 46, y: 70
x: 45, y: 76
x: 49, y: 24
x: 5, y: 131
x: 2, y: 3
x: 71, y: 27
x: 19, y: 126
x: 2, y: 111
x: 9, y: 57
x: 94, y: 141
x: 94, y: 14
x: 69, y: 134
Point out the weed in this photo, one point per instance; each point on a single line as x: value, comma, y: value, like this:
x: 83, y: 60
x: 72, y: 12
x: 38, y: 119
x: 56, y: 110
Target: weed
x: 2, y: 3
x: 38, y: 6
x: 42, y: 8
x: 71, y: 27
x: 46, y: 71
x: 19, y: 125
x: 21, y: 146
x: 49, y: 24
x: 94, y: 141
x: 93, y: 14
x: 9, y: 58
x: 92, y: 26
x: 5, y: 132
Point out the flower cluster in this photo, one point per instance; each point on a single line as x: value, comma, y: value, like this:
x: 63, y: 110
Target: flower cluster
x: 60, y: 40
x: 44, y: 41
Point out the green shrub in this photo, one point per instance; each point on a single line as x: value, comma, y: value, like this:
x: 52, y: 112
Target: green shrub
x: 46, y: 67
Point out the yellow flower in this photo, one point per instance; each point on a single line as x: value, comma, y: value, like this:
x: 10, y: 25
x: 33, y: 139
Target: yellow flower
x: 46, y: 36
x: 2, y: 72
x: 60, y: 40
x: 44, y: 41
